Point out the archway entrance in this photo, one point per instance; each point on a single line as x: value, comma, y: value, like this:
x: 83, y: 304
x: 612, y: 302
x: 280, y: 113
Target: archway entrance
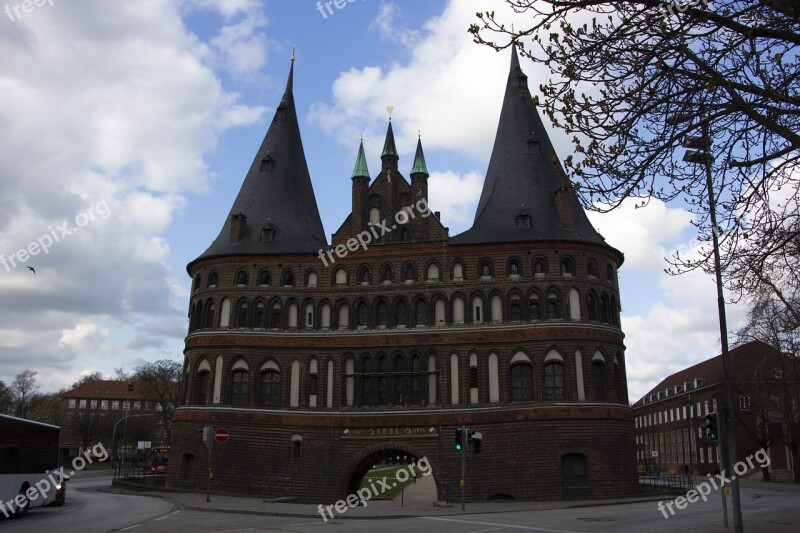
x: 393, y: 476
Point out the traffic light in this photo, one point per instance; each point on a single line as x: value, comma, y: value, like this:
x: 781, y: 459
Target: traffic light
x: 712, y: 432
x: 206, y: 434
x: 459, y: 440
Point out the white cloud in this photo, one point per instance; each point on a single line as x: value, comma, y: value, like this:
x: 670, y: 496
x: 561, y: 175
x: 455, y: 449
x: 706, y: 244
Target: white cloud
x: 107, y: 103
x: 451, y: 90
x: 455, y: 196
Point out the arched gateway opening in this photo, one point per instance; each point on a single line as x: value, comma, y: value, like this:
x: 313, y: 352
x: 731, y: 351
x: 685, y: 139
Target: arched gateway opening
x: 391, y: 472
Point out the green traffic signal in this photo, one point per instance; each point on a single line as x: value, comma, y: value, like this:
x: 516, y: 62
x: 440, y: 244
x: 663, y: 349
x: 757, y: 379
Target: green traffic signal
x: 459, y: 440
x: 712, y: 432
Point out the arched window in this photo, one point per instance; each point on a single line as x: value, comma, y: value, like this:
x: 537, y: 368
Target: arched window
x: 382, y: 313
x: 485, y: 268
x: 239, y: 392
x: 567, y: 266
x: 264, y: 278
x: 515, y: 309
x: 271, y: 388
x: 513, y: 267
x: 420, y: 311
x: 521, y: 383
x: 458, y: 270
x: 383, y: 381
x: 553, y: 382
x: 276, y: 317
x: 241, y: 278
x: 539, y: 267
x: 477, y: 310
x: 400, y: 314
x: 340, y: 277
x: 197, y: 280
x: 363, y: 314
x: 213, y: 279
x: 552, y: 305
x: 260, y: 315
x: 311, y: 279
x: 203, y: 381
x: 610, y: 274
x: 591, y: 306
x: 591, y: 268
x: 398, y: 391
x: 288, y: 278
x: 364, y: 275
x: 409, y: 273
x: 604, y: 314
x: 366, y: 381
x: 598, y: 383
x: 433, y: 272
x: 243, y: 314
x: 344, y: 316
x: 209, y: 322
x: 619, y: 382
x: 534, y: 307
x: 386, y: 274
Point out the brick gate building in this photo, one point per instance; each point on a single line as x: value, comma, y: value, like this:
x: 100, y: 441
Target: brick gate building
x: 324, y: 360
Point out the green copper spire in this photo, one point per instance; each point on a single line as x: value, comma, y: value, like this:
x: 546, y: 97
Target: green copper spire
x: 388, y: 146
x: 361, y: 163
x: 419, y: 161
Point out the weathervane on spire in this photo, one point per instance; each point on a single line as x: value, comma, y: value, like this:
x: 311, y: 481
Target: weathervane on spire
x: 390, y: 109
x: 294, y: 49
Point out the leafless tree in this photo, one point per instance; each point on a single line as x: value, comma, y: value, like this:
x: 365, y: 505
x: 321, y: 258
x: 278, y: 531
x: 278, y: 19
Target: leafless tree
x: 23, y: 388
x: 162, y: 380
x: 727, y: 69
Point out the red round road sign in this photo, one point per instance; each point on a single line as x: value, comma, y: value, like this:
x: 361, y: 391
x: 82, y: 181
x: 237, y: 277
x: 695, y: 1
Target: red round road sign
x: 221, y: 434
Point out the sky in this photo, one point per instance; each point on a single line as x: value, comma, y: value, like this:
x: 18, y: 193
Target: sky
x: 127, y: 128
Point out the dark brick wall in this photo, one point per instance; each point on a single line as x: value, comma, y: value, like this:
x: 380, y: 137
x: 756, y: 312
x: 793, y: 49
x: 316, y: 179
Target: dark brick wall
x: 521, y: 452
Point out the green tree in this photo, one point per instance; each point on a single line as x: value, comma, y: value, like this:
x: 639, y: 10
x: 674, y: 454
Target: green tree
x: 23, y: 388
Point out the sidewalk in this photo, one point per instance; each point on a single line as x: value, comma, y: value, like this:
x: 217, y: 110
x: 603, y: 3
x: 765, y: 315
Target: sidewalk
x: 415, y: 505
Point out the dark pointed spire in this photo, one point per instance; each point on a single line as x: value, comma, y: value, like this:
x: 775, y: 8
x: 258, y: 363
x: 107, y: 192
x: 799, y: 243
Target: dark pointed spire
x: 276, y: 195
x: 419, y: 161
x: 524, y: 169
x: 389, y: 148
x: 361, y: 163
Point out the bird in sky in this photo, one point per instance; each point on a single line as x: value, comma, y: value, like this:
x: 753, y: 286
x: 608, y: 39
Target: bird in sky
x: 32, y: 270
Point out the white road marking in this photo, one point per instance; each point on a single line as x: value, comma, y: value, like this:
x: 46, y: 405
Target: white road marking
x: 528, y: 528
x: 131, y: 527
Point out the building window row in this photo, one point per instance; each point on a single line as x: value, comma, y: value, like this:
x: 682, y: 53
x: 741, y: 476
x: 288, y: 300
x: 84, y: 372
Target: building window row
x: 418, y: 311
x: 403, y: 380
x: 410, y: 272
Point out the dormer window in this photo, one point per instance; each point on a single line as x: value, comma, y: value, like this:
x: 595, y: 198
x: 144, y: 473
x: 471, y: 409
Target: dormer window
x: 533, y: 145
x: 523, y: 220
x: 522, y: 81
x: 281, y: 112
x: 267, y: 164
x: 268, y: 233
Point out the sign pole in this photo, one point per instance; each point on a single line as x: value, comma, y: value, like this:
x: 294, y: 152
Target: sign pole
x: 210, y: 445
x: 463, y: 461
x: 721, y: 463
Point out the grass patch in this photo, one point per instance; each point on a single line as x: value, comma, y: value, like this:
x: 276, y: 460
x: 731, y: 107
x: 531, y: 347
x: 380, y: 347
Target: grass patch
x: 390, y: 473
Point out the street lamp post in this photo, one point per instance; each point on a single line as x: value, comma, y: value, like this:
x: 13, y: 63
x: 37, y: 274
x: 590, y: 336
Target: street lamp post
x: 701, y: 155
x: 114, y: 435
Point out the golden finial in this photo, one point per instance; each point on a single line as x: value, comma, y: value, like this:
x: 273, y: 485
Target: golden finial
x: 390, y: 109
x: 294, y: 49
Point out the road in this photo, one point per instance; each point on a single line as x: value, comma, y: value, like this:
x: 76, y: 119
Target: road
x: 90, y: 508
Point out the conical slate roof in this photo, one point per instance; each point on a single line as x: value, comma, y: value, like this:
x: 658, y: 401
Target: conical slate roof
x: 525, y: 177
x: 360, y: 169
x: 419, y: 160
x: 388, y: 145
x: 276, y: 194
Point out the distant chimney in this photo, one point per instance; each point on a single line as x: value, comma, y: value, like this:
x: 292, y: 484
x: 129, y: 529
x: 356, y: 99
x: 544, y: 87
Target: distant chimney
x: 564, y: 206
x: 238, y: 223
